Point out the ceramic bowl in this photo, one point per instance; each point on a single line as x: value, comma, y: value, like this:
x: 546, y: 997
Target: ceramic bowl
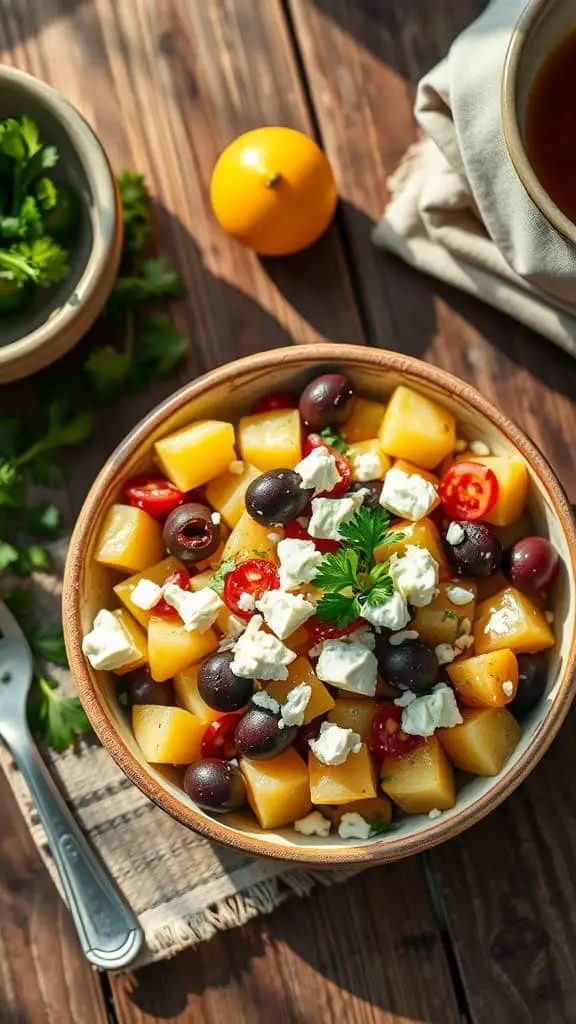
x: 229, y: 392
x: 58, y: 317
x: 541, y: 27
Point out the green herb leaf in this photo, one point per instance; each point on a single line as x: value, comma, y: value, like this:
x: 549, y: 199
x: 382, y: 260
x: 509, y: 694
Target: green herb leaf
x: 30, y: 223
x: 380, y: 592
x: 42, y: 520
x: 448, y: 614
x: 219, y: 578
x: 42, y: 261
x: 20, y: 602
x: 6, y: 677
x: 123, y: 698
x: 48, y: 645
x: 46, y: 193
x: 135, y: 210
x: 31, y: 558
x: 12, y: 485
x: 365, y: 532
x: 337, y: 571
x: 107, y: 370
x: 379, y: 825
x: 49, y: 470
x: 338, y: 608
x: 335, y: 439
x: 161, y: 344
x: 58, y: 719
x: 8, y: 555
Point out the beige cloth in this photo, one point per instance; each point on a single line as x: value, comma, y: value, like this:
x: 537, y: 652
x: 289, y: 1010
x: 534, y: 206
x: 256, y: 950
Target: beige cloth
x: 458, y: 209
x: 182, y: 887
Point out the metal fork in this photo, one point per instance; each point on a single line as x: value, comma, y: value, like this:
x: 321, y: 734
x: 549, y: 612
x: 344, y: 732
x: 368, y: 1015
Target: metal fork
x: 107, y: 929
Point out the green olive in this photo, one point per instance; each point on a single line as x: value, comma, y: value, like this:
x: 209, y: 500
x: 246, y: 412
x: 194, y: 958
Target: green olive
x: 13, y: 294
x: 61, y: 222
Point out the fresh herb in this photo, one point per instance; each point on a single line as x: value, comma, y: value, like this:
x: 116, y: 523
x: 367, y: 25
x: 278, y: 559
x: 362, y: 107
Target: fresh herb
x: 448, y: 614
x: 6, y: 677
x: 123, y: 699
x: 367, y: 531
x: 58, y: 720
x: 461, y: 630
x: 218, y: 580
x: 335, y: 439
x: 379, y: 825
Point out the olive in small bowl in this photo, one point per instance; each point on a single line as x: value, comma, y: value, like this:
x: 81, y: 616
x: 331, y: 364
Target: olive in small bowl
x: 326, y: 401
x: 276, y: 497
x: 190, y: 534
x: 215, y: 785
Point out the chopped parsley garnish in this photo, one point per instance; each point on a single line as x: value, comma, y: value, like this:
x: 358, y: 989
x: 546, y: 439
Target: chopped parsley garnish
x: 335, y: 439
x: 219, y: 578
x: 448, y: 614
x: 379, y: 825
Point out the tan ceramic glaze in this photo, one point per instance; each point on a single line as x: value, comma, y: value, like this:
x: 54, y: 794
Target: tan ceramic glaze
x: 542, y: 25
x: 58, y: 317
x: 228, y: 392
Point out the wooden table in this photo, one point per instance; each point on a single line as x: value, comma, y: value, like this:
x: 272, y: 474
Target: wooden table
x: 484, y: 928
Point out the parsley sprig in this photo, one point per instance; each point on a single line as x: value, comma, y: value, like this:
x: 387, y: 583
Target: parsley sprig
x: 351, y: 578
x: 334, y: 438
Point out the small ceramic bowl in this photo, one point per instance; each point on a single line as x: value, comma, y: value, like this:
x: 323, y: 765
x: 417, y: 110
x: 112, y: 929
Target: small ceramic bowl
x: 542, y: 25
x: 58, y: 317
x: 229, y: 392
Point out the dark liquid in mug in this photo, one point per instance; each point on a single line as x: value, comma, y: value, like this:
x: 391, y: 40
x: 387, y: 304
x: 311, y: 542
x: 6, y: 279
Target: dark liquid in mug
x: 551, y: 126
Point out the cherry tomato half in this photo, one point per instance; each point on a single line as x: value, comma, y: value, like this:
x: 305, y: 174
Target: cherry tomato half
x: 319, y: 630
x: 181, y: 579
x: 218, y: 737
x: 386, y: 736
x: 279, y: 400
x: 296, y: 531
x: 253, y: 577
x: 153, y: 494
x: 342, y: 465
x: 468, y: 491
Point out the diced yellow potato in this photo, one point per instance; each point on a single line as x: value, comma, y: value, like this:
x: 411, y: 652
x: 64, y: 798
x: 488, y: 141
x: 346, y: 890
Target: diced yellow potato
x: 411, y: 467
x: 197, y: 453
x: 271, y: 440
x: 215, y: 558
x: 301, y: 671
x: 510, y: 619
x: 360, y: 448
x: 421, y: 780
x: 354, y: 714
x: 167, y: 735
x: 250, y: 540
x: 158, y: 573
x: 376, y: 811
x: 278, y: 789
x: 417, y: 429
x: 171, y: 649
x: 201, y: 580
x: 484, y: 741
x: 188, y: 697
x: 301, y: 642
x: 425, y: 535
x: 341, y: 783
x: 138, y: 638
x: 487, y: 586
x: 364, y: 421
x: 481, y: 681
x: 512, y: 476
x: 129, y: 540
x: 227, y: 493
x: 440, y: 622
x: 520, y: 528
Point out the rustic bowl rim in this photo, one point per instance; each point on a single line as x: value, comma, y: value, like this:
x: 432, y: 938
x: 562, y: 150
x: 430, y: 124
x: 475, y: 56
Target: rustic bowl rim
x: 54, y: 337
x: 511, y: 126
x: 298, y: 358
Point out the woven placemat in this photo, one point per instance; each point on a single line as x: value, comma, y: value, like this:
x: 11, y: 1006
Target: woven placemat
x: 182, y: 887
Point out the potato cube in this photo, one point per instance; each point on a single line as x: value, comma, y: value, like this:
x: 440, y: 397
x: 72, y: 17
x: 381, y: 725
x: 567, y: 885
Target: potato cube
x: 301, y: 671
x: 520, y: 528
x: 487, y: 680
x: 167, y: 735
x: 512, y: 476
x: 129, y: 540
x: 417, y: 429
x: 188, y: 697
x: 424, y: 534
x: 138, y: 638
x: 364, y: 421
x: 227, y: 493
x: 341, y: 783
x: 440, y: 622
x: 484, y: 741
x: 158, y: 573
x: 372, y: 446
x: 251, y: 540
x: 421, y: 780
x: 354, y: 714
x: 197, y: 453
x: 376, y: 811
x: 271, y: 440
x: 510, y: 619
x: 171, y: 649
x: 488, y: 586
x: 278, y: 790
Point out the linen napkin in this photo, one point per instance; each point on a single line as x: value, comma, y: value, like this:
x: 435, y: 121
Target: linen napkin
x: 458, y: 209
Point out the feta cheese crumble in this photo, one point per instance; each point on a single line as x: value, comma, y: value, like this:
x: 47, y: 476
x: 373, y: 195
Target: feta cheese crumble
x: 549, y: 616
x: 108, y: 646
x: 198, y: 610
x: 146, y: 594
x: 246, y: 602
x: 318, y: 470
x: 508, y: 688
x: 404, y: 634
x: 405, y: 699
x: 435, y: 813
x: 407, y: 494
x: 392, y: 614
x: 334, y: 744
x: 299, y: 560
x: 455, y: 534
x: 445, y: 653
x: 236, y: 467
x: 274, y: 537
x: 216, y: 518
x: 293, y: 710
x: 435, y: 710
x: 263, y: 700
x: 459, y: 595
x: 314, y: 824
x: 366, y: 466
x: 415, y: 574
x: 350, y: 666
x: 499, y: 622
x: 284, y: 612
x: 479, y: 447
x: 259, y: 655
x: 353, y: 826
x: 363, y: 635
x: 328, y: 515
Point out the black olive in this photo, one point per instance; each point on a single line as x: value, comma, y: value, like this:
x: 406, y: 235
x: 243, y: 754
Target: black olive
x: 326, y: 401
x: 189, y: 533
x: 532, y: 680
x: 373, y: 489
x: 410, y: 665
x: 259, y: 736
x: 478, y: 553
x: 140, y: 689
x: 215, y: 785
x: 218, y: 685
x: 276, y: 497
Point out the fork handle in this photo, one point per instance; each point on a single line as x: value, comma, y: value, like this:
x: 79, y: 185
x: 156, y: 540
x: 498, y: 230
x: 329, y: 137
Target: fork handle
x: 108, y: 931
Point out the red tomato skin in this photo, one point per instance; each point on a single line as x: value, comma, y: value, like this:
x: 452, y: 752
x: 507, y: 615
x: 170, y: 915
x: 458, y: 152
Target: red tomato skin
x: 218, y: 737
x: 181, y: 579
x: 468, y: 491
x: 296, y: 531
x: 279, y: 400
x: 153, y: 494
x: 239, y: 582
x: 386, y: 736
x: 319, y: 630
